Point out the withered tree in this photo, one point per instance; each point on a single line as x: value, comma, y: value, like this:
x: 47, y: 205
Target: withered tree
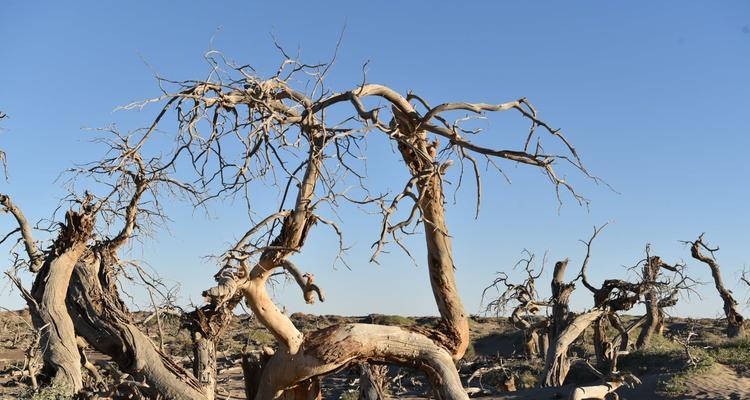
x: 659, y: 293
x: 75, y: 291
x: 611, y: 298
x: 735, y: 321
x: 267, y: 116
x: 547, y: 336
x: 46, y: 299
x: 236, y: 129
x: 94, y: 302
x: 527, y: 307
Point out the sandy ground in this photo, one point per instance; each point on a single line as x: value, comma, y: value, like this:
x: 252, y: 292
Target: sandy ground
x: 718, y: 382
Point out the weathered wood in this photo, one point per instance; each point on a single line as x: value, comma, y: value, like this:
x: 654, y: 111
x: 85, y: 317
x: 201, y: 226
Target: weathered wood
x: 102, y: 319
x: 557, y: 363
x: 62, y: 362
x: 735, y: 320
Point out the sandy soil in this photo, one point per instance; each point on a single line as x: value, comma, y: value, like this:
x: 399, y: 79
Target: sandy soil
x: 491, y: 338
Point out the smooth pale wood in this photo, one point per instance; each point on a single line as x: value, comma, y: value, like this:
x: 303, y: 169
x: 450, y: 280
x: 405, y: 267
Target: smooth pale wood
x: 340, y: 345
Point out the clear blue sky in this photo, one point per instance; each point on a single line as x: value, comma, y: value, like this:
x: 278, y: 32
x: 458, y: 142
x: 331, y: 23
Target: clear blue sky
x: 656, y: 96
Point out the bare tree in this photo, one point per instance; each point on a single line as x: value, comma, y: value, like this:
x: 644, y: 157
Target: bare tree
x: 526, y: 312
x: 548, y: 337
x: 46, y: 299
x: 94, y: 299
x: 268, y: 116
x: 658, y: 295
x: 284, y: 138
x: 735, y: 321
x: 373, y: 382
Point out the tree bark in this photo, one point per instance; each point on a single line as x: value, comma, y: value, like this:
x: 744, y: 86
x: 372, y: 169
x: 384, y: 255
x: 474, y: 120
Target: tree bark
x: 204, y: 363
x: 102, y: 319
x: 654, y: 313
x: 372, y: 382
x: 557, y: 364
x: 62, y: 362
x: 561, y: 292
x: 420, y: 158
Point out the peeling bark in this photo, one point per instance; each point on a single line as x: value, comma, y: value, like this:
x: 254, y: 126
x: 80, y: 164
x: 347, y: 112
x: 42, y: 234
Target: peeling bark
x: 372, y: 382
x: 557, y: 364
x: 62, y: 362
x: 654, y: 323
x: 102, y: 319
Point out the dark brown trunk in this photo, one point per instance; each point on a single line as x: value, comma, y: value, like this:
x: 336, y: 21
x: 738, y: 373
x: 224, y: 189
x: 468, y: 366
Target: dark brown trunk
x: 735, y: 321
x: 654, y: 315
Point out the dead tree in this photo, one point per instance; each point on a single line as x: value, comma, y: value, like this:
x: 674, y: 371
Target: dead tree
x: 46, y: 299
x: 561, y: 292
x: 269, y: 115
x: 100, y: 315
x: 654, y: 300
x: 373, y: 382
x: 735, y: 321
x: 526, y: 312
x: 557, y: 363
x: 554, y: 333
x: 683, y: 339
x: 613, y: 296
x: 269, y: 119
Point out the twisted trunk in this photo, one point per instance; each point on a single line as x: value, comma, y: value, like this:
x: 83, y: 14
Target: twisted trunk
x: 333, y: 348
x: 102, y: 319
x: 557, y: 364
x: 62, y: 362
x: 441, y: 269
x: 372, y: 382
x: 420, y: 158
x: 735, y: 320
x: 561, y: 292
x: 654, y: 323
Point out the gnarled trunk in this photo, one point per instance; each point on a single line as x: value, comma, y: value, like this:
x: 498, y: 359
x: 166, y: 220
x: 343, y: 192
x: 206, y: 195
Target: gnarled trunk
x: 372, y: 381
x: 102, y: 319
x: 429, y: 181
x: 204, y: 363
x: 735, y: 321
x: 62, y: 361
x: 561, y: 292
x: 333, y: 348
x: 557, y: 364
x: 654, y: 323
